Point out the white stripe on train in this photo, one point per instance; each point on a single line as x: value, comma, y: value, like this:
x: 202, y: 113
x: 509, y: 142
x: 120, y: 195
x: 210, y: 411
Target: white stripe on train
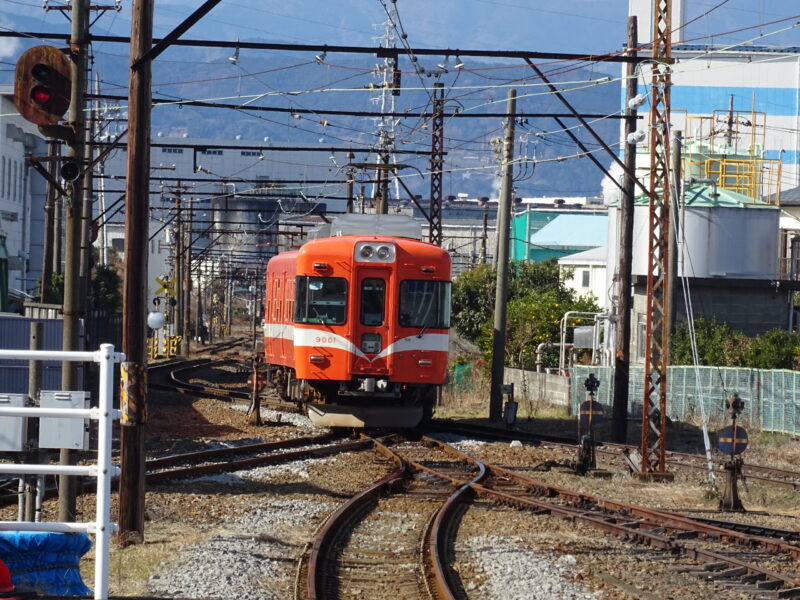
x: 320, y: 338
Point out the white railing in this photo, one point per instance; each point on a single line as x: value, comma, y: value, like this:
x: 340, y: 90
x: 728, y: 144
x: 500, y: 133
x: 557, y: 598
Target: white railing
x: 104, y: 471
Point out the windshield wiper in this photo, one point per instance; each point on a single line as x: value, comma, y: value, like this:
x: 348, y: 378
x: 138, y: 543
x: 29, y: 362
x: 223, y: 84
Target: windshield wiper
x: 423, y: 330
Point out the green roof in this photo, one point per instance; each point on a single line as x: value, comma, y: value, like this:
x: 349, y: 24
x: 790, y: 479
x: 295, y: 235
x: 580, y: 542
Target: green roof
x: 701, y: 196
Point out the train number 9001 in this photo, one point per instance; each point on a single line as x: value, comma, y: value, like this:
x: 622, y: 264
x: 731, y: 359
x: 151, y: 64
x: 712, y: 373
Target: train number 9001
x: 324, y: 339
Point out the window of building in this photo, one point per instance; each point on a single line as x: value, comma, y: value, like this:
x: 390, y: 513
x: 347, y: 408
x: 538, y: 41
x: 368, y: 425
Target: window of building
x: 585, y: 277
x: 250, y: 153
x: 172, y: 150
x: 118, y: 244
x: 3, y: 178
x: 641, y: 333
x: 212, y: 152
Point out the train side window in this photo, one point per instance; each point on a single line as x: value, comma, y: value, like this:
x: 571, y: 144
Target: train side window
x: 320, y: 300
x: 425, y: 304
x: 373, y: 300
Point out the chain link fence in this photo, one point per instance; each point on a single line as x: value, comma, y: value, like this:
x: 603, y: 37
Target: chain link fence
x: 772, y: 397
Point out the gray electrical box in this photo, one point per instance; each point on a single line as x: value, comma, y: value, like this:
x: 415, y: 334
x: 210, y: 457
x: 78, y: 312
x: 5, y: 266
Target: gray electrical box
x: 63, y: 432
x: 13, y: 430
x: 583, y: 337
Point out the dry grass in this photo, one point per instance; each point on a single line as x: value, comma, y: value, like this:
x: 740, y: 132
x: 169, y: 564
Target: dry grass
x: 131, y: 567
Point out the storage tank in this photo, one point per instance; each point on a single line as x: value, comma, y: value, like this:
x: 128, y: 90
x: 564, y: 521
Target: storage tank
x: 245, y: 224
x: 726, y: 235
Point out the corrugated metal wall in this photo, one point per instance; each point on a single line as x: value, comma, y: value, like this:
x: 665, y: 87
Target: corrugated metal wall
x: 15, y: 335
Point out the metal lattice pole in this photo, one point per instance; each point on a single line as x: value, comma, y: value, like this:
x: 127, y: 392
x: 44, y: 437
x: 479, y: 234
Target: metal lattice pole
x: 657, y: 341
x: 437, y: 162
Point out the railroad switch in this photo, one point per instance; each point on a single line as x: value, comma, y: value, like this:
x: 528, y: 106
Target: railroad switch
x: 590, y: 414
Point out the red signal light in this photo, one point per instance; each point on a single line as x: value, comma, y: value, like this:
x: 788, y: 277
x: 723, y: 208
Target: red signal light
x: 43, y: 85
x: 41, y: 95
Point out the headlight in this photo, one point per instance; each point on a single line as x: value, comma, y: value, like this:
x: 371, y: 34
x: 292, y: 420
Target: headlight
x: 383, y: 252
x: 366, y: 251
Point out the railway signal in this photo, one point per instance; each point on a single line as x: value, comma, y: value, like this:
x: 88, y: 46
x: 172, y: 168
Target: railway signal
x: 42, y: 85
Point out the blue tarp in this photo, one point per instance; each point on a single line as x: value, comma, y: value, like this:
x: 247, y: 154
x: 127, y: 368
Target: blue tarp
x: 47, y: 563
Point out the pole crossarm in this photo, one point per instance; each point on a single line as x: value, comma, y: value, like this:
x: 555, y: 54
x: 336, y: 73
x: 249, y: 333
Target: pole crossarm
x: 583, y: 122
x: 173, y: 35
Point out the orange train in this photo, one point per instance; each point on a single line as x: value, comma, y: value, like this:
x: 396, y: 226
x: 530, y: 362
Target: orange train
x: 356, y: 329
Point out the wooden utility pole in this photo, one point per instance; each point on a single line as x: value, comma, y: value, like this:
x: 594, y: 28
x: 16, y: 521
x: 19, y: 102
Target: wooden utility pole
x: 69, y: 370
x: 133, y: 399
x: 503, y: 225
x: 622, y: 350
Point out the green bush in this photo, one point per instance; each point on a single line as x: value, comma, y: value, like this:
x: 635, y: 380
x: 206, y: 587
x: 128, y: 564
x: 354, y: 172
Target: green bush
x: 719, y: 345
x: 537, y: 300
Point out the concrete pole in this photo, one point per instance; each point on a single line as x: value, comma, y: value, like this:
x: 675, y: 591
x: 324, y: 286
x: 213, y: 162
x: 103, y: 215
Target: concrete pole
x: 187, y: 285
x: 622, y: 351
x: 72, y: 283
x: 53, y: 150
x: 34, y: 385
x: 503, y: 223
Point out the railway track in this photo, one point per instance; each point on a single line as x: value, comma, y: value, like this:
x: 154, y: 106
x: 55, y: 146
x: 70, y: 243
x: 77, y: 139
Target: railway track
x: 734, y: 558
x: 613, y: 452
x: 392, y: 539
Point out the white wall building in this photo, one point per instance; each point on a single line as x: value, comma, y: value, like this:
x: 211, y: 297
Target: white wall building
x: 22, y: 193
x: 589, y: 274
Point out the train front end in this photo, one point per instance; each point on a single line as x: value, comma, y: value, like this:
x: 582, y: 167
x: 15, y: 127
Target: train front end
x: 371, y: 320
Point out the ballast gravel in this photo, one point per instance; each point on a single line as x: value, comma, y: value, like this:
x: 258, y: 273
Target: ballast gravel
x: 512, y: 571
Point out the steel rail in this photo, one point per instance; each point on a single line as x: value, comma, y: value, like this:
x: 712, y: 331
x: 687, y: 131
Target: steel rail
x: 780, y: 477
x: 441, y: 579
x: 635, y: 530
x: 217, y: 453
x: 249, y: 463
x: 336, y: 521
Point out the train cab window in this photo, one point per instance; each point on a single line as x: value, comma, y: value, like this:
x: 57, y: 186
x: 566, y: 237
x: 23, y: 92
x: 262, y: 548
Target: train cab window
x: 425, y: 304
x: 320, y: 300
x: 373, y: 299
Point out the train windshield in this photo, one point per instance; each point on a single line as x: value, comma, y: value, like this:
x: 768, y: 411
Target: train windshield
x: 373, y: 297
x: 425, y: 304
x: 320, y: 300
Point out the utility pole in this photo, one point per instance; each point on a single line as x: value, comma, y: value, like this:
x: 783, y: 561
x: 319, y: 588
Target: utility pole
x: 485, y: 234
x: 133, y: 399
x: 53, y: 151
x: 503, y: 224
x: 186, y: 298
x: 78, y: 63
x: 177, y: 264
x: 350, y: 181
x: 622, y: 351
x: 86, y: 215
x: 674, y: 227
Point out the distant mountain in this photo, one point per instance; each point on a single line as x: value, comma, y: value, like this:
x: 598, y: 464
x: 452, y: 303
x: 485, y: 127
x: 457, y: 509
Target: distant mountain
x: 297, y: 81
